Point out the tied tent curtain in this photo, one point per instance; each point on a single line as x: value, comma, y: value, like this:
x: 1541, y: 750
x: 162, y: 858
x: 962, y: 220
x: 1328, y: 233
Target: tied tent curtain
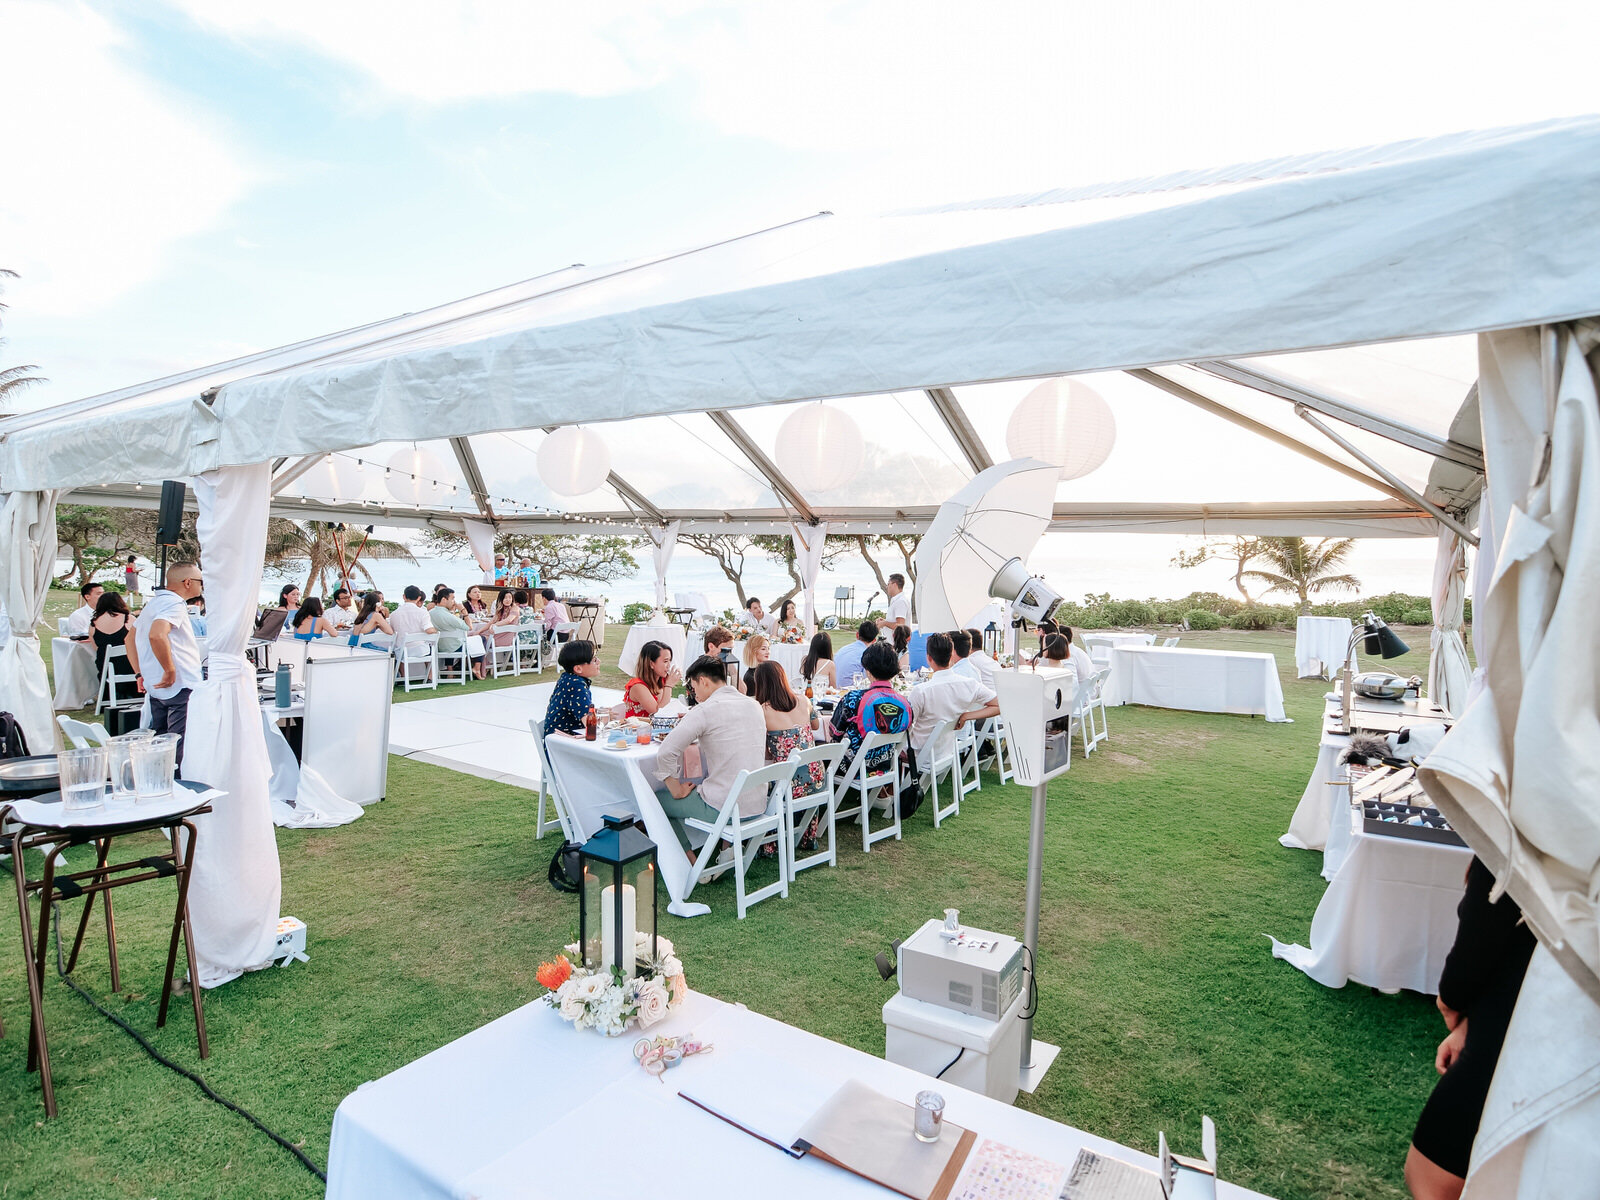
x: 1449, y: 672
x: 808, y: 543
x: 480, y: 538
x: 27, y: 558
x: 234, y: 891
x: 663, y: 541
x: 1519, y: 772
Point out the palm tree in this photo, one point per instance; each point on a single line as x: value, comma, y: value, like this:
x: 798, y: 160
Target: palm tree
x: 1304, y: 569
x: 329, y: 548
x: 13, y: 379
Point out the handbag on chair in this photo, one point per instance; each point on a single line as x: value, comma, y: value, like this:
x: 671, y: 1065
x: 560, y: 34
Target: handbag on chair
x: 565, y: 872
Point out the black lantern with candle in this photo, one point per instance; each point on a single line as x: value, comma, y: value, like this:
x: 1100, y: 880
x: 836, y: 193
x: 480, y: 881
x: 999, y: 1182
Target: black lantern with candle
x: 618, y: 900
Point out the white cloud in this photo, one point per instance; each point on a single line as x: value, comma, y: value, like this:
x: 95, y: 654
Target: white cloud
x: 106, y: 172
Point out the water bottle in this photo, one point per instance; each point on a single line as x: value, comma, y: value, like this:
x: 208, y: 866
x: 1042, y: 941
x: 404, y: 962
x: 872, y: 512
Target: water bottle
x: 282, y: 682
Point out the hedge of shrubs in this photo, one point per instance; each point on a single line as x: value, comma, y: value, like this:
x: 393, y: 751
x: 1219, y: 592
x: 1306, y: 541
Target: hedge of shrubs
x: 1210, y: 610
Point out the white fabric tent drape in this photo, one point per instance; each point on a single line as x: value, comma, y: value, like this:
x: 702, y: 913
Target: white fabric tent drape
x: 1519, y: 772
x: 27, y: 557
x: 809, y: 542
x: 663, y: 541
x: 235, y: 889
x: 480, y: 538
x: 1449, y: 671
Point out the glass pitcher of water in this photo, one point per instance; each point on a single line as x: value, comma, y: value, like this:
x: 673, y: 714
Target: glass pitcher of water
x: 123, y: 787
x: 154, y: 764
x: 83, y: 778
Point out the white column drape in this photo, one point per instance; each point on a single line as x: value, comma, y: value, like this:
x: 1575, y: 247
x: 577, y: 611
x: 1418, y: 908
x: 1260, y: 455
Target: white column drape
x: 663, y: 541
x: 235, y: 889
x: 480, y: 539
x: 1519, y: 772
x: 809, y: 541
x: 27, y: 558
x: 1449, y: 671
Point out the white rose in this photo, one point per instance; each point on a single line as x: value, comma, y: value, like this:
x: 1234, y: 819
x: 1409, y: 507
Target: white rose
x: 652, y: 1002
x: 590, y: 987
x: 568, y: 1002
x: 670, y: 966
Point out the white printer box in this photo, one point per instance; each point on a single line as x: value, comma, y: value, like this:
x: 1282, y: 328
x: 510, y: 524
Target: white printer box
x: 980, y: 973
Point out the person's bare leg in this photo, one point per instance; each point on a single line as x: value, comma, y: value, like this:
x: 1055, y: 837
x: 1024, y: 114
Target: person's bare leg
x: 1428, y: 1180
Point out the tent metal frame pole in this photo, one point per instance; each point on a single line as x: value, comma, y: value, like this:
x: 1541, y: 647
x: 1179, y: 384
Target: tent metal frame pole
x: 467, y: 460
x: 289, y: 474
x: 1203, y: 402
x: 1415, y: 497
x: 961, y: 429
x: 758, y: 459
x: 1340, y: 410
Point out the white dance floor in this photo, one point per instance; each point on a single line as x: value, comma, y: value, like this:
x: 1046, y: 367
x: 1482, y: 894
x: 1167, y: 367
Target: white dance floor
x: 478, y: 733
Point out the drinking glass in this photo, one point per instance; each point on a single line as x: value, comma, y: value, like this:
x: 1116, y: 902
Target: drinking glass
x: 121, y: 762
x: 83, y: 778
x: 929, y: 1122
x: 154, y: 761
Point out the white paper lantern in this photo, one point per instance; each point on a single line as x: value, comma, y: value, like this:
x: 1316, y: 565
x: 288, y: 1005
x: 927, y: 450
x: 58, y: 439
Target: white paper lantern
x: 334, y: 478
x: 574, y: 460
x: 413, y: 474
x: 1063, y: 422
x: 819, y: 448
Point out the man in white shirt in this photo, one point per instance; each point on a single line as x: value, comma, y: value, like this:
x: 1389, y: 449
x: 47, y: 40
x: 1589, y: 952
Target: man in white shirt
x: 408, y: 619
x: 1078, y: 659
x: 847, y: 662
x: 980, y: 660
x: 78, y: 622
x: 755, y: 617
x: 899, y: 605
x: 732, y: 735
x: 165, y: 652
x: 946, y: 694
x: 342, y: 612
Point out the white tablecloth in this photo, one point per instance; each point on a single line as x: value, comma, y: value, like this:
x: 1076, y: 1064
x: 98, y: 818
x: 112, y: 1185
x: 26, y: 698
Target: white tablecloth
x: 597, y: 781
x: 528, y: 1106
x: 1388, y: 918
x: 1319, y: 644
x: 1113, y: 640
x: 1225, y: 681
x: 671, y: 635
x: 76, y: 678
x: 790, y: 656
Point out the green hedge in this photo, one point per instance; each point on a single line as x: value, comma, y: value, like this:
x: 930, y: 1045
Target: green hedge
x: 1200, y: 618
x: 636, y: 612
x: 1102, y: 612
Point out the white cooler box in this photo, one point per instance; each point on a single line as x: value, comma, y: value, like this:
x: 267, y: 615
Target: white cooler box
x: 925, y: 1037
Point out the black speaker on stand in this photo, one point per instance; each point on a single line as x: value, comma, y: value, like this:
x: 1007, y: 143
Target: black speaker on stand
x: 169, y: 521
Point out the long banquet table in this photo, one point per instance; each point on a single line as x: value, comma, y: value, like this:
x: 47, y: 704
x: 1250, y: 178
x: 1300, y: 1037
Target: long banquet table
x: 1222, y: 681
x: 527, y: 1105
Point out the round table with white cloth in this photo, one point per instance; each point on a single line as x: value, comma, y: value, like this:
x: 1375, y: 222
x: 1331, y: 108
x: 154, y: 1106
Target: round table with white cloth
x: 1113, y: 640
x: 1319, y: 644
x: 76, y: 677
x: 792, y: 657
x: 668, y: 634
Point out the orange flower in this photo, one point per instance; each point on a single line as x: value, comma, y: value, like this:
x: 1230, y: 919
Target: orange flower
x: 553, y: 974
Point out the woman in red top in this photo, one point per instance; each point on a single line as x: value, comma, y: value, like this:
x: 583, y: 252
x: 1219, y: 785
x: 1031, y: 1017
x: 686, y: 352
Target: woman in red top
x: 652, y: 686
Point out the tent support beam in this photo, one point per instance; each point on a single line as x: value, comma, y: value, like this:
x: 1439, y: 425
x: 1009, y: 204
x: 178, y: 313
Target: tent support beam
x: 955, y: 420
x: 289, y: 474
x: 1415, y: 497
x: 1299, y: 394
x: 769, y: 469
x: 468, y: 462
x: 1206, y: 404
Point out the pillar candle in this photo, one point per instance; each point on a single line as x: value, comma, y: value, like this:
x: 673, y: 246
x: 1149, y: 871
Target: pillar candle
x: 608, y: 927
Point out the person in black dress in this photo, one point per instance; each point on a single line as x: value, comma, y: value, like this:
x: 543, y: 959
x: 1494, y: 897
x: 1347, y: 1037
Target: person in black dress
x: 1477, y: 993
x: 109, y: 627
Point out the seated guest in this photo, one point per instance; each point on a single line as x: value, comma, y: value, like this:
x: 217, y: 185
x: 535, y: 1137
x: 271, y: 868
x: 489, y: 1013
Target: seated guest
x: 961, y: 654
x: 450, y: 620
x: 571, y: 700
x: 289, y: 598
x: 439, y: 589
x: 754, y: 617
x: 197, y: 616
x: 757, y: 650
x: 847, y: 663
x: 1044, y: 629
x: 980, y: 659
x: 371, y: 619
x: 874, y: 708
x: 555, y: 612
x: 109, y: 627
x: 817, y: 668
x: 410, y: 617
x: 732, y: 736
x: 787, y: 627
x: 790, y: 720
x: 342, y: 612
x: 719, y: 645
x: 653, y: 681
x: 944, y: 695
x: 1078, y: 657
x: 507, y: 616
x: 502, y: 574
x: 901, y: 641
x: 474, y: 603
x: 309, y: 622
x: 88, y: 599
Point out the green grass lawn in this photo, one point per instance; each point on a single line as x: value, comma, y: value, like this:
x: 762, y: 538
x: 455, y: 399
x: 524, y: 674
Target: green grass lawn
x: 428, y: 917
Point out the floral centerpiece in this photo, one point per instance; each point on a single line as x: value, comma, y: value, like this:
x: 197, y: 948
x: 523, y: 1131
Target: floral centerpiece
x: 604, y: 1001
x: 792, y: 635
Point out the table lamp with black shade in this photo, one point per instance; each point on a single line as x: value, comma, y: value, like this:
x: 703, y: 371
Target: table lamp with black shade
x: 1377, y: 639
x: 618, y: 898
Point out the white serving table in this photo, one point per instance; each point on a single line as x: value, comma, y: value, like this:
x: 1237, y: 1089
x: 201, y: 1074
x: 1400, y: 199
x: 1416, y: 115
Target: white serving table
x: 672, y: 635
x: 597, y: 781
x: 1388, y: 918
x: 1114, y: 640
x: 529, y: 1106
x: 1319, y: 644
x: 76, y: 679
x: 1221, y: 681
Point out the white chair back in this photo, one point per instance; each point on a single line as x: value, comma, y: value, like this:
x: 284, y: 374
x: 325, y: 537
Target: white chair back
x: 946, y: 753
x: 746, y: 834
x: 550, y: 788
x: 1168, y: 643
x: 83, y: 734
x: 116, y: 671
x: 828, y: 755
x: 418, y: 650
x: 458, y: 660
x: 862, y: 785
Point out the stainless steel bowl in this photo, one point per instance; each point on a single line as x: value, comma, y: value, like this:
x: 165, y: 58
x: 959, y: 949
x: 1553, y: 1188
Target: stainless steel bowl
x: 1380, y: 685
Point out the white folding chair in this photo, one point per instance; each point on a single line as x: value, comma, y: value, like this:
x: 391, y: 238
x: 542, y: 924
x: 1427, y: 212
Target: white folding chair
x: 797, y: 814
x: 460, y: 671
x: 418, y: 650
x: 507, y: 657
x: 1168, y: 643
x: 550, y: 789
x: 944, y: 754
x: 866, y: 784
x: 1100, y: 652
x: 83, y: 734
x: 968, y: 739
x: 992, y: 733
x: 110, y: 676
x: 1097, y: 703
x: 739, y: 832
x: 530, y: 643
